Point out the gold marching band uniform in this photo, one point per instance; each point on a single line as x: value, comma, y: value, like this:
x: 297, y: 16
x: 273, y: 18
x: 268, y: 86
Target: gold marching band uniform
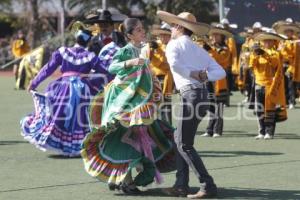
x: 160, y: 67
x: 29, y: 67
x: 243, y: 70
x: 245, y: 81
x: 30, y: 64
x: 231, y: 43
x: 290, y: 52
x: 270, y: 103
x: 269, y: 90
x: 155, y: 52
x: 20, y: 47
x: 232, y: 46
x: 232, y: 73
x: 296, y: 69
x: 223, y: 57
x: 262, y: 76
x: 220, y: 51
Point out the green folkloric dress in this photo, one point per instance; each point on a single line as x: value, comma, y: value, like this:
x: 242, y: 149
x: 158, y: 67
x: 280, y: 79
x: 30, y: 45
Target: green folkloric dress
x: 125, y: 130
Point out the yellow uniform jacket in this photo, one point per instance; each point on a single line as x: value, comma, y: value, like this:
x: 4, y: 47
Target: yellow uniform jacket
x: 19, y: 48
x: 160, y: 67
x: 268, y: 72
x: 223, y: 57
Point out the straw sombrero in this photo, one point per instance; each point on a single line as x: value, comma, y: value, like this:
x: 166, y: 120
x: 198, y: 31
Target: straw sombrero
x: 185, y: 19
x: 281, y: 26
x: 220, y: 30
x: 225, y: 22
x: 268, y: 35
x: 257, y: 25
x: 247, y: 33
x: 244, y: 34
x: 163, y: 29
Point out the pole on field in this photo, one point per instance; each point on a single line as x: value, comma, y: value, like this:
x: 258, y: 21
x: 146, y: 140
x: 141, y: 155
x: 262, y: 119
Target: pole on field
x: 221, y: 9
x: 104, y: 5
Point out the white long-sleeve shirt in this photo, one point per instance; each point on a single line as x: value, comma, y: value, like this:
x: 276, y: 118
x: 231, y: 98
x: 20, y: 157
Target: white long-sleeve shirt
x: 185, y: 56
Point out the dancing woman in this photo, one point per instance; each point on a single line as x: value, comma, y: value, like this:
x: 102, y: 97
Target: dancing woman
x: 60, y: 121
x: 126, y: 132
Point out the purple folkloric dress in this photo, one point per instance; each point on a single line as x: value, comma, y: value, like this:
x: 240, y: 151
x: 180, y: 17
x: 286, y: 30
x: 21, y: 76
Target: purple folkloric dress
x: 61, y: 120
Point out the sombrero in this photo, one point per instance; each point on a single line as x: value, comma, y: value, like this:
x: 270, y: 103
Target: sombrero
x: 282, y: 26
x: 248, y: 30
x: 225, y: 21
x: 219, y: 29
x: 244, y: 34
x: 163, y: 29
x: 99, y: 16
x: 257, y: 25
x: 268, y: 35
x: 247, y: 33
x: 185, y: 19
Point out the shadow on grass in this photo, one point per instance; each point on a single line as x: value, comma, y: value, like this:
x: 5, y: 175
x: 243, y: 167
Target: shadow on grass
x: 235, y: 131
x: 235, y: 105
x: 287, y: 136
x: 256, y: 164
x: 12, y: 142
x: 232, y: 133
x: 236, y: 153
x: 47, y: 187
x: 256, y: 193
x: 55, y: 156
x: 232, y: 193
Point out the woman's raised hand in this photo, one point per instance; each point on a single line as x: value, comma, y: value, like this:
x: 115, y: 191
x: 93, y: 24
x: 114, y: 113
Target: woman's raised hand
x: 134, y: 62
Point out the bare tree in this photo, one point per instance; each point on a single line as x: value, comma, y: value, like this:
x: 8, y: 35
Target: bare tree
x: 62, y: 23
x: 33, y: 31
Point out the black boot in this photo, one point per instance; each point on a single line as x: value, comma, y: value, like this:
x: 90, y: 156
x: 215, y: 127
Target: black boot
x: 130, y: 189
x: 113, y: 187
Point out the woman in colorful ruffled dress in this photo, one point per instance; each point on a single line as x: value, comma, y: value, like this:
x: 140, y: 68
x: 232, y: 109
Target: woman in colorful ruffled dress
x: 126, y: 132
x: 60, y: 121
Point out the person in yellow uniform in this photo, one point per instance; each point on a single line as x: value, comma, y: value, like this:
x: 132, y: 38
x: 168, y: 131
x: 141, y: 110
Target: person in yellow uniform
x: 243, y: 65
x: 245, y: 81
x: 19, y: 48
x: 296, y: 73
x: 289, y: 52
x: 160, y: 67
x: 266, y: 65
x: 158, y: 60
x: 29, y: 67
x: 221, y: 53
x: 232, y: 72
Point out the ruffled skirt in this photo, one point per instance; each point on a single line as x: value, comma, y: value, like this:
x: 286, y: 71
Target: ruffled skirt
x: 133, y: 140
x: 60, y: 120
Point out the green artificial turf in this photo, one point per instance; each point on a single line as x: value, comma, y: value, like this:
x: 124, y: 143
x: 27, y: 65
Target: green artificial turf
x: 242, y: 167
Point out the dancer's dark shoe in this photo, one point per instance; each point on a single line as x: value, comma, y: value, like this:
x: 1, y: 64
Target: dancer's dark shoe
x: 113, y: 187
x: 130, y: 189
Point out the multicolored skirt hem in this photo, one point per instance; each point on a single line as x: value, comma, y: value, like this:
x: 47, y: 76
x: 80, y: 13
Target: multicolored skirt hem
x: 111, y: 156
x: 60, y: 121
